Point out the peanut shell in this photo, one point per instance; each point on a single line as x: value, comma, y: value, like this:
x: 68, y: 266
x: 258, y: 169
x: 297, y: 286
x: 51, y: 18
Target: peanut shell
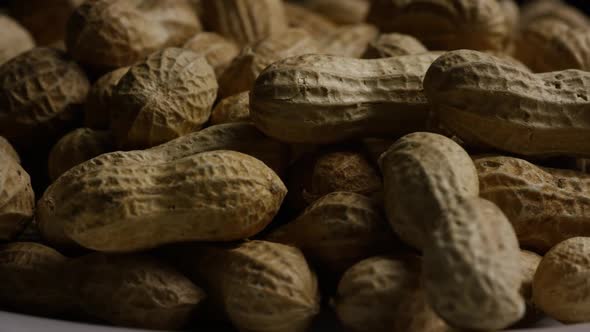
x: 14, y: 39
x: 7, y: 149
x: 17, y: 199
x: 393, y: 44
x: 350, y: 40
x: 97, y: 113
x: 218, y: 50
x: 341, y: 11
x: 235, y: 108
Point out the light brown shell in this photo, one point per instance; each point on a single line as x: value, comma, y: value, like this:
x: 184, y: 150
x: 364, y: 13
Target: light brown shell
x: 132, y: 205
x: 337, y: 231
x: 425, y: 174
x: 169, y: 94
x: 472, y: 271
x: 235, y: 108
x: 444, y: 24
x: 511, y: 13
x: 245, y: 21
x: 30, y: 279
x: 341, y: 11
x: 42, y: 91
x: 326, y: 99
x: 133, y: 290
x: 109, y: 34
x: 489, y: 102
x: 393, y: 44
x: 545, y: 206
x: 97, y: 108
x: 262, y: 286
x: 253, y: 59
x: 551, y: 45
x: 559, y: 287
x: 14, y: 39
x: 47, y: 23
x: 383, y: 294
x: 349, y: 40
x: 529, y: 262
x: 7, y: 149
x: 218, y: 50
x: 553, y: 10
x: 316, y: 25
x: 76, y: 147
x: 17, y: 199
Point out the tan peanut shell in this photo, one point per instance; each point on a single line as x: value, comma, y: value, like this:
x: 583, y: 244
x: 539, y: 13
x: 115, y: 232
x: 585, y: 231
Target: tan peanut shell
x: 109, y: 34
x: 385, y: 294
x: 444, y: 24
x: 393, y: 44
x: 551, y: 45
x: 245, y: 21
x: 210, y: 196
x: 169, y: 94
x: 42, y: 93
x: 545, y: 206
x: 425, y: 174
x: 316, y: 25
x: 47, y: 23
x: 472, y: 271
x: 511, y: 13
x: 326, y: 99
x: 262, y: 286
x: 349, y: 40
x: 558, y: 10
x: 97, y: 108
x: 337, y: 231
x: 218, y: 50
x: 133, y: 290
x: 14, y: 39
x: 489, y: 102
x: 17, y: 199
x: 559, y: 286
x: 76, y: 147
x: 341, y: 11
x: 30, y: 279
x: 529, y: 262
x: 235, y: 108
x: 253, y: 59
x: 7, y: 149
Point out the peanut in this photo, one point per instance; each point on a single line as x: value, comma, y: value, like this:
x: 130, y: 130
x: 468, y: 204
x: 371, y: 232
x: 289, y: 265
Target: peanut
x: 168, y: 95
x: 218, y: 50
x: 97, y: 107
x: 472, y: 270
x: 235, y: 108
x: 42, y: 91
x: 316, y: 25
x: 261, y: 286
x: 530, y: 262
x: 424, y: 175
x: 444, y: 24
x: 545, y: 206
x: 14, y: 39
x: 337, y: 231
x: 488, y: 102
x: 326, y: 99
x: 7, y: 149
x: 393, y: 44
x: 553, y: 10
x: 350, y: 40
x: 252, y: 60
x: 511, y: 14
x: 385, y: 294
x: 108, y: 34
x: 77, y: 147
x: 341, y: 11
x: 17, y: 199
x: 246, y: 21
x: 559, y: 286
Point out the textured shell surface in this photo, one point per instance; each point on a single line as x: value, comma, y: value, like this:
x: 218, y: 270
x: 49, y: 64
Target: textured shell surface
x: 169, y: 94
x: 553, y: 10
x: 149, y: 293
x: 560, y: 286
x: 530, y: 262
x: 545, y: 206
x: 218, y: 50
x: 300, y: 17
x: 40, y: 94
x: 326, y: 99
x: 393, y: 44
x: 246, y: 21
x: 341, y: 11
x: 17, y: 199
x: 7, y: 149
x: 14, y: 39
x: 487, y: 101
x: 131, y: 206
x: 425, y: 174
x: 444, y: 24
x: 108, y: 34
x: 263, y: 286
x: 338, y: 230
x: 472, y: 270
x: 350, y: 40
x: 235, y: 108
x: 97, y: 113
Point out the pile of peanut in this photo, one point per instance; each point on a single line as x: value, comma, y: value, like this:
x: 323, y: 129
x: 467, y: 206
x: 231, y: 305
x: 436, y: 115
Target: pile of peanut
x: 266, y: 165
